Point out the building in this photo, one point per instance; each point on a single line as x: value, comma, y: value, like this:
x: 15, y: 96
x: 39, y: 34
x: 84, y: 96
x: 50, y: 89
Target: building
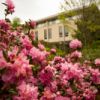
x: 51, y: 29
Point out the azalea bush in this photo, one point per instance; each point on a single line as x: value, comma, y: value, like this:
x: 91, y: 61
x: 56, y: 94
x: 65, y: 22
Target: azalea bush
x: 27, y: 73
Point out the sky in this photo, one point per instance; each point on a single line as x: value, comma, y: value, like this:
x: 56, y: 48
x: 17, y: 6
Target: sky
x: 33, y: 9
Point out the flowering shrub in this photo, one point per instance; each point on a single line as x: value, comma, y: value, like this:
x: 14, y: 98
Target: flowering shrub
x: 26, y: 73
x: 97, y: 62
x: 74, y: 44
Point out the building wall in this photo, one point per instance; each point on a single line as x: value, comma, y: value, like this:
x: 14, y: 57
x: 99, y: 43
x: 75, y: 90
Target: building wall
x: 55, y: 31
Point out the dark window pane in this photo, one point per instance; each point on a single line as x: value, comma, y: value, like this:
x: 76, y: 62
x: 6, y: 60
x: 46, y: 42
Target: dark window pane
x: 65, y: 31
x: 45, y: 34
x: 60, y: 31
x: 49, y: 33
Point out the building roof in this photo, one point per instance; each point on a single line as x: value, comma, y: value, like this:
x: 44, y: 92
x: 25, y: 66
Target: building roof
x: 56, y: 16
x: 49, y: 18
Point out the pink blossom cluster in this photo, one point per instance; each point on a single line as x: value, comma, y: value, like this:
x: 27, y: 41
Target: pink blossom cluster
x: 74, y: 44
x: 53, y: 50
x: 10, y: 7
x: 97, y: 62
x: 4, y: 25
x: 41, y: 47
x: 26, y: 42
x: 27, y: 73
x: 31, y: 24
x: 38, y: 55
x: 76, y: 54
x: 26, y: 92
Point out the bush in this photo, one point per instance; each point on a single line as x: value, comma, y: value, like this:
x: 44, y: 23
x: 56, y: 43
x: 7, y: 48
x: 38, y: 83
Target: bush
x: 28, y: 73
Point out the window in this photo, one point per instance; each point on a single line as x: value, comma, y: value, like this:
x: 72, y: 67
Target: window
x: 36, y: 35
x: 60, y: 31
x: 65, y: 31
x: 45, y: 34
x: 49, y: 33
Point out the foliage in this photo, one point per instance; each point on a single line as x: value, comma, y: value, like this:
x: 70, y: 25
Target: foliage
x: 88, y: 22
x: 16, y: 22
x: 89, y: 25
x: 91, y: 52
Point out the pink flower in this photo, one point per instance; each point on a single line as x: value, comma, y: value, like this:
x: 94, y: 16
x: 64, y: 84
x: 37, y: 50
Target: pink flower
x: 58, y: 59
x: 74, y: 44
x: 76, y: 54
x: 26, y: 42
x: 27, y: 92
x: 41, y: 47
x: 95, y: 76
x: 48, y: 94
x: 4, y: 25
x: 3, y: 63
x: 21, y: 66
x: 69, y: 91
x: 34, y: 52
x: 25, y: 51
x: 53, y: 86
x: 89, y: 94
x: 37, y: 55
x: 42, y: 56
x: 70, y: 71
x: 46, y: 76
x: 62, y: 98
x: 8, y: 77
x: 64, y: 67
x: 97, y: 62
x: 53, y: 50
x: 31, y: 23
x: 13, y: 33
x: 10, y: 6
x: 12, y: 54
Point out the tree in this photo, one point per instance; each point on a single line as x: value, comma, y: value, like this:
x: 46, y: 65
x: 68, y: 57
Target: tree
x: 88, y: 22
x: 89, y: 25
